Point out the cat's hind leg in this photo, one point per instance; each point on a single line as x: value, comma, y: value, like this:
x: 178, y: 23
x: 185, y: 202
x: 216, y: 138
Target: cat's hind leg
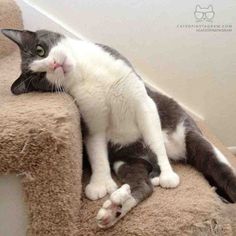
x: 211, y: 162
x: 137, y: 187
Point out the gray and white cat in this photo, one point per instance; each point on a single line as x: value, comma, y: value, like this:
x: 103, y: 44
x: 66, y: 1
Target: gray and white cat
x: 125, y: 123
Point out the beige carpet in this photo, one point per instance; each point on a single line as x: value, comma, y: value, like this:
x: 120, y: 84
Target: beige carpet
x: 40, y: 139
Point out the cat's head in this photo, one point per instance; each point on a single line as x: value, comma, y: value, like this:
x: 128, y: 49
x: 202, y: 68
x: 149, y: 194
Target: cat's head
x: 43, y: 59
x: 202, y: 13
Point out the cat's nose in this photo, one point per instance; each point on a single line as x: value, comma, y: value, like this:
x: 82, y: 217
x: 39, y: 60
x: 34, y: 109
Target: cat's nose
x: 56, y: 65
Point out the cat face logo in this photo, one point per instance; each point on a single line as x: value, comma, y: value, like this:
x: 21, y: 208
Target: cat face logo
x: 204, y: 14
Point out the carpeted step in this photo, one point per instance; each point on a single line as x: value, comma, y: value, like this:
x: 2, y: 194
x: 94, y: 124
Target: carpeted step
x: 40, y: 141
x: 10, y: 17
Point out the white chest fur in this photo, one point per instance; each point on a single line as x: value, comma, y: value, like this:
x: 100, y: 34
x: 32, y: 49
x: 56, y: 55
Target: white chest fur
x: 105, y: 90
x: 110, y: 108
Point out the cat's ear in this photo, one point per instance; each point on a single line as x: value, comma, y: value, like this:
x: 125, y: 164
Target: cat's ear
x: 210, y: 7
x: 21, y: 85
x: 18, y: 36
x: 198, y: 8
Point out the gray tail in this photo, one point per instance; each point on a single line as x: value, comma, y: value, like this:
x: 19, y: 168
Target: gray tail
x: 201, y: 155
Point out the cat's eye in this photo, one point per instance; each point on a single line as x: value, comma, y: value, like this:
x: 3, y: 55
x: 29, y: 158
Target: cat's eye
x: 40, y: 51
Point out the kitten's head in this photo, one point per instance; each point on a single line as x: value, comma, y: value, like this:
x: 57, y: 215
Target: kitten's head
x: 43, y: 59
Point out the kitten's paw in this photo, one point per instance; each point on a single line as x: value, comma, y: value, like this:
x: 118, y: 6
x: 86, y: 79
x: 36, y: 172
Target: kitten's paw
x: 113, y: 209
x: 169, y: 179
x: 155, y: 181
x: 98, y: 189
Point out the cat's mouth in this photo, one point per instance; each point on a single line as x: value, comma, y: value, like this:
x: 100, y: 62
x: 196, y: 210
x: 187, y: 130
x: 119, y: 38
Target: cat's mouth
x: 62, y: 67
x: 56, y: 66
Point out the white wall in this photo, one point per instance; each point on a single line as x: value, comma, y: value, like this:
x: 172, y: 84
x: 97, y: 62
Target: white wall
x: 198, y: 69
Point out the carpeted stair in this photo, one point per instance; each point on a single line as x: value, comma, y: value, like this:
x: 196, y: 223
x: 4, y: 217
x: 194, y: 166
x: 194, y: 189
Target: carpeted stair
x: 40, y: 139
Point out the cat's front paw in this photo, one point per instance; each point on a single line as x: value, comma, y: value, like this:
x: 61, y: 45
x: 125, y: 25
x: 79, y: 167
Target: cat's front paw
x: 169, y: 179
x: 99, y: 188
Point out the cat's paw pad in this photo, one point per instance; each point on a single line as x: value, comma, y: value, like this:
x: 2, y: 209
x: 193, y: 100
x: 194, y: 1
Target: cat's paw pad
x: 114, y: 208
x: 98, y: 189
x: 169, y: 179
x: 108, y: 214
x: 155, y: 181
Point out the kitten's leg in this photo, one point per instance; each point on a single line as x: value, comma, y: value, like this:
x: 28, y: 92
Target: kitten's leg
x: 101, y: 181
x: 150, y: 126
x: 137, y: 188
x: 211, y: 162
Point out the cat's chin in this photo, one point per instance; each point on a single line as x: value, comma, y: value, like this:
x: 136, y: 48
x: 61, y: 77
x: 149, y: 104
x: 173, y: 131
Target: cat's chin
x: 56, y: 77
x: 59, y: 71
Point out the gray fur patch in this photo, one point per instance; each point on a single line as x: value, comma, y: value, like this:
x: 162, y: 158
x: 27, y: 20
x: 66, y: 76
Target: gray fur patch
x: 115, y: 54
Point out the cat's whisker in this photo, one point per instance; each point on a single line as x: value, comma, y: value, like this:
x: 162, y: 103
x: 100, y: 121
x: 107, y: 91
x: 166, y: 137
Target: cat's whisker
x: 23, y: 82
x: 71, y: 103
x: 62, y: 90
x: 60, y: 85
x: 58, y: 88
x: 31, y: 78
x: 52, y: 88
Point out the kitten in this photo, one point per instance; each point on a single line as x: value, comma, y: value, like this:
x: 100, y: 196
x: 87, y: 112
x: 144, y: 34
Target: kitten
x: 121, y: 118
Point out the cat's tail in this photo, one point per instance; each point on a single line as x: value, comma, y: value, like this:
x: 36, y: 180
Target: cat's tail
x: 212, y: 163
x: 137, y: 187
